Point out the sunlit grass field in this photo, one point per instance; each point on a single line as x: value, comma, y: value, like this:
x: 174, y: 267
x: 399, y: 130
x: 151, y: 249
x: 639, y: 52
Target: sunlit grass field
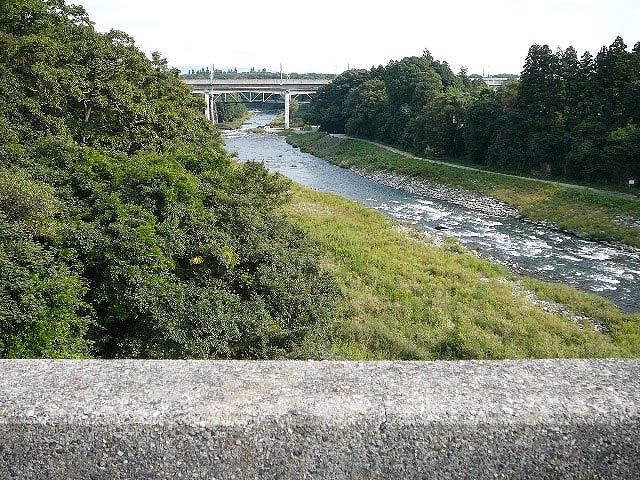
x: 404, y: 298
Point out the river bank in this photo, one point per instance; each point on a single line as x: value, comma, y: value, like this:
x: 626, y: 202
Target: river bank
x: 412, y: 291
x: 588, y: 214
x: 530, y: 248
x: 472, y: 201
x: 238, y: 121
x: 409, y: 294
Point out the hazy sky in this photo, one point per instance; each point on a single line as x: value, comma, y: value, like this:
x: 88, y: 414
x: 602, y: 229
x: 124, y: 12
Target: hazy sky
x: 326, y: 35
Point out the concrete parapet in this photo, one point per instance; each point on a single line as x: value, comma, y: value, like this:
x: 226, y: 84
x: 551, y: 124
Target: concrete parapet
x: 333, y: 420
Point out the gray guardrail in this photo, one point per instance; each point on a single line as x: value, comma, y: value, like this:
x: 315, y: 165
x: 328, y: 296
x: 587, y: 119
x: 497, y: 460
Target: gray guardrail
x: 335, y: 420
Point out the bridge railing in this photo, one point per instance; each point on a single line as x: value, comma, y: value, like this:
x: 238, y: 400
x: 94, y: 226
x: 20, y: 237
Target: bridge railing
x: 337, y: 420
x: 254, y: 82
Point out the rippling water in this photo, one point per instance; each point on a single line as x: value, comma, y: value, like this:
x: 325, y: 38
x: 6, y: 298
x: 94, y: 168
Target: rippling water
x: 526, y: 248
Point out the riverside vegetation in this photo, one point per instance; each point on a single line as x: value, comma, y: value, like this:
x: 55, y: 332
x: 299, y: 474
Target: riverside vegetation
x: 127, y: 231
x: 125, y: 228
x: 594, y: 215
x: 566, y: 118
x: 232, y: 115
x: 571, y: 118
x: 407, y: 297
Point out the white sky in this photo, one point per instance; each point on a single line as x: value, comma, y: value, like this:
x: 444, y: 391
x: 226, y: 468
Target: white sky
x: 326, y: 35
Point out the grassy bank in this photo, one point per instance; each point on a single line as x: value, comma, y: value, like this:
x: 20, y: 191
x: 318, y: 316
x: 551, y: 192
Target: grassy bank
x: 278, y: 122
x: 407, y: 299
x: 236, y: 122
x: 598, y: 216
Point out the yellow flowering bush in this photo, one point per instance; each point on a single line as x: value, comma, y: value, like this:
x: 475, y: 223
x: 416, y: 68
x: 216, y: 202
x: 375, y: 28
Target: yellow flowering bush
x: 196, y: 260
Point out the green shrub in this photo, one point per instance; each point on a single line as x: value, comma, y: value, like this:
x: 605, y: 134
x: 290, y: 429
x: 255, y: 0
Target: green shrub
x: 125, y: 228
x: 43, y: 312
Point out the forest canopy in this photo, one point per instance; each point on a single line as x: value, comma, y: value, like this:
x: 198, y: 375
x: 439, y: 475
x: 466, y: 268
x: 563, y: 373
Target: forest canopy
x: 567, y: 116
x: 125, y: 228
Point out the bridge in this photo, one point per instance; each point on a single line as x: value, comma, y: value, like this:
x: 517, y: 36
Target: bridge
x: 254, y: 90
x: 497, y: 82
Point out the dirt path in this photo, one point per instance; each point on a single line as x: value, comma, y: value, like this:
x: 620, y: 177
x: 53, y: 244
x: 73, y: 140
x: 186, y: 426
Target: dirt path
x: 464, y: 167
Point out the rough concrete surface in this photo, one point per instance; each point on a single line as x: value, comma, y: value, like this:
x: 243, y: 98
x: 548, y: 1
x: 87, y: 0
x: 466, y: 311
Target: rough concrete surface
x: 334, y: 420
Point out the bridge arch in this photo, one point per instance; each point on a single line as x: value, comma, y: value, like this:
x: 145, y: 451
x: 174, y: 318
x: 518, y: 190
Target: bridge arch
x: 252, y: 90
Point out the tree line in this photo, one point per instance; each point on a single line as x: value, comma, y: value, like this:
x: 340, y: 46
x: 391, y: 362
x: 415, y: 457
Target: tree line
x: 570, y: 117
x: 125, y: 228
x: 253, y: 73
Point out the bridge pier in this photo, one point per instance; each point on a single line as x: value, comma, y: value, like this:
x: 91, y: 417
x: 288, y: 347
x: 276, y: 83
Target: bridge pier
x: 287, y: 101
x: 207, y: 109
x: 211, y: 111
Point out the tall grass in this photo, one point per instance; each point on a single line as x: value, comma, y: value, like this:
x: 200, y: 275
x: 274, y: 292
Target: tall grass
x: 406, y: 299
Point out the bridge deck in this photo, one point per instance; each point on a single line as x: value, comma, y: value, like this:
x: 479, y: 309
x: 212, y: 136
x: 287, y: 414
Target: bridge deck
x: 254, y: 85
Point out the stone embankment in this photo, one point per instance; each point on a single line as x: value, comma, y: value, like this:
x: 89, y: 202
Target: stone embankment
x: 316, y: 420
x: 456, y: 196
x: 479, y: 203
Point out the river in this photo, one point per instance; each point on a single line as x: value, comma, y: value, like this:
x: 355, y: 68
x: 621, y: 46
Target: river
x: 525, y: 248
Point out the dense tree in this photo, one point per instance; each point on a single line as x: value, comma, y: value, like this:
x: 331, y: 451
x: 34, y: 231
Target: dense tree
x: 328, y: 107
x: 125, y: 228
x: 228, y: 111
x: 366, y: 102
x: 567, y: 116
x: 621, y: 152
x: 439, y: 127
x: 481, y: 125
